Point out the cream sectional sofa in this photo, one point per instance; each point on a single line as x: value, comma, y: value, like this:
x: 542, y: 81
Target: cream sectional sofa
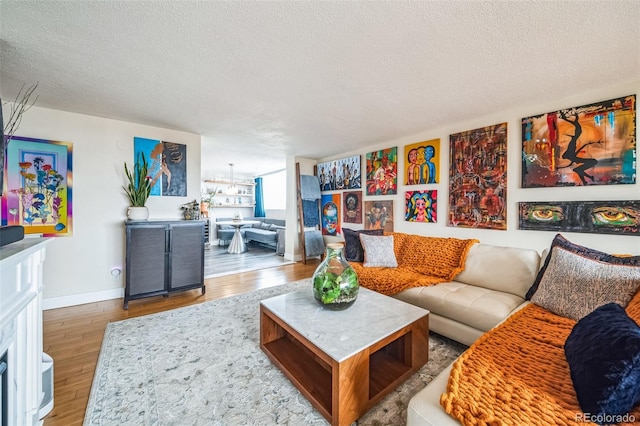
x: 492, y: 286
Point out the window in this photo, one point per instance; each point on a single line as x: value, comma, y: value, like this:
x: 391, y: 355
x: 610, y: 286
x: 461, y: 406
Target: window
x: 274, y: 188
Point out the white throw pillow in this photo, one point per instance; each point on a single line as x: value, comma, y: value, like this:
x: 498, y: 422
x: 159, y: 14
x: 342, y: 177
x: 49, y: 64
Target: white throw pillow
x: 378, y: 251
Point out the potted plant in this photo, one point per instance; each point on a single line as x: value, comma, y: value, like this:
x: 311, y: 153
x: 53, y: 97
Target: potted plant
x: 138, y: 189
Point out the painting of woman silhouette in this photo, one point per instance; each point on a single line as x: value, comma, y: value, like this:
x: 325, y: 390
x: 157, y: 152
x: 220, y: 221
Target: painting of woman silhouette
x: 167, y: 165
x: 422, y: 162
x: 581, y: 146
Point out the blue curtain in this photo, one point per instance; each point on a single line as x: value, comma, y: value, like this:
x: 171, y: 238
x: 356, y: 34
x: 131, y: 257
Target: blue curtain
x: 259, y: 211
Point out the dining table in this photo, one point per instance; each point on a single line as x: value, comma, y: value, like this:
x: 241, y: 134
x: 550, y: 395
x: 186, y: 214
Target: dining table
x: 237, y: 244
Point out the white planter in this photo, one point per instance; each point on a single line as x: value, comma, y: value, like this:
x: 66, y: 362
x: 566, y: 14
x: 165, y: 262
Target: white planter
x: 138, y: 213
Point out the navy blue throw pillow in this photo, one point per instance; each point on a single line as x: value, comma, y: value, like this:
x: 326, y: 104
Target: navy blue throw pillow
x: 353, y: 250
x: 603, y: 352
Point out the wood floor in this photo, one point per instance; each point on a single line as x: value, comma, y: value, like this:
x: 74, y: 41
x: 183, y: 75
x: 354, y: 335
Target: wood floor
x: 73, y: 336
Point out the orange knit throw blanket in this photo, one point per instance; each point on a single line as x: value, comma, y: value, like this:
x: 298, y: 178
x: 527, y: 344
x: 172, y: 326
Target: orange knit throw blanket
x: 517, y: 373
x: 422, y: 261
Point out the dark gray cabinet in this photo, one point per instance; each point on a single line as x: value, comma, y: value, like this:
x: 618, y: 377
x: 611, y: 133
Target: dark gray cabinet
x: 163, y: 257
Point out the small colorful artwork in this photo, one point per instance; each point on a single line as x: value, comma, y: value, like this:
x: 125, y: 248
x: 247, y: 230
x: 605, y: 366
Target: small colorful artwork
x: 587, y: 145
x: 39, y: 179
x: 598, y: 217
x: 340, y: 174
x: 423, y: 164
x: 382, y: 172
x: 379, y: 215
x: 331, y: 214
x: 421, y: 206
x: 478, y: 178
x: 352, y: 207
x: 167, y: 165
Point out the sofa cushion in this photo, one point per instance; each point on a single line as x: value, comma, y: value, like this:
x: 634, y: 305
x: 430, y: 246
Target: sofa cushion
x: 265, y: 226
x: 507, y: 269
x: 260, y: 234
x: 353, y: 250
x: 575, y: 280
x: 378, y: 251
x: 477, y: 307
x: 603, y: 351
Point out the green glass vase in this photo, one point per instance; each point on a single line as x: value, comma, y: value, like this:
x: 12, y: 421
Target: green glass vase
x: 335, y: 283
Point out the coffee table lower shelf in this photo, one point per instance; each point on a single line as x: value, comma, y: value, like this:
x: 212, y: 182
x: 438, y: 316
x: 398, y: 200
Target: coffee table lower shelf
x: 343, y: 391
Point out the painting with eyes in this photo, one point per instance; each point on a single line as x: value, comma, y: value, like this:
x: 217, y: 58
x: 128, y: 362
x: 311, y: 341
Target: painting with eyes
x: 421, y: 206
x: 581, y: 146
x: 596, y: 217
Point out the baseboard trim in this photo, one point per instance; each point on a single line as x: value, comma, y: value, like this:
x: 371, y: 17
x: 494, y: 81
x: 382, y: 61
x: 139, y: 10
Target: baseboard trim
x: 81, y: 299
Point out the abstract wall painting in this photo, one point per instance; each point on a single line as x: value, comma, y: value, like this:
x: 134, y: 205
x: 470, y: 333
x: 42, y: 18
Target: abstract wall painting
x: 352, y: 207
x: 39, y: 181
x: 382, y: 172
x: 597, y: 217
x: 330, y: 208
x: 421, y: 206
x: 340, y: 174
x: 581, y: 146
x: 379, y: 215
x: 167, y: 165
x: 478, y: 178
x: 422, y: 162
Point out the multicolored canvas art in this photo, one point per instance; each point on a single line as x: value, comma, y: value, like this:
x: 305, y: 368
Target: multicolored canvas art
x: 167, y: 165
x: 421, y: 206
x: 339, y: 174
x: 352, y: 207
x: 599, y: 217
x: 478, y: 178
x: 379, y: 215
x: 382, y: 172
x: 330, y: 208
x: 38, y: 186
x: 587, y: 145
x: 423, y: 162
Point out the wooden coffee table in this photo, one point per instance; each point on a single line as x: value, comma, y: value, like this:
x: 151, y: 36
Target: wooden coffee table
x: 344, y: 362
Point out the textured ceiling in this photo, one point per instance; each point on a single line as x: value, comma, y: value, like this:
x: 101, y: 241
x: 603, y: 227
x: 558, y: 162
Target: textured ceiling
x: 262, y: 80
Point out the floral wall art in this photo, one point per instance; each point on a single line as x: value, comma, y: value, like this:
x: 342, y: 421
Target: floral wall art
x: 478, y: 178
x: 167, y: 165
x: 38, y: 186
x: 588, y: 145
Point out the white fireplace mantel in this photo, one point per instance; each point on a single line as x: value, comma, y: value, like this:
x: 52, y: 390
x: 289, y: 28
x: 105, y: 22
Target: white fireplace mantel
x: 21, y: 285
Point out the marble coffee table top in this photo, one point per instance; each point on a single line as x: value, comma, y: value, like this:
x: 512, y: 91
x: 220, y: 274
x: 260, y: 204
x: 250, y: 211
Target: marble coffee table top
x: 341, y: 334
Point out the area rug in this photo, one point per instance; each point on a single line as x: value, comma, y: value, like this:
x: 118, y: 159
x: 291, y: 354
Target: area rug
x: 202, y: 365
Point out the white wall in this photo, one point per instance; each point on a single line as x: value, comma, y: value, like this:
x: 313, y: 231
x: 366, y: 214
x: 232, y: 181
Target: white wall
x: 78, y: 268
x: 512, y: 236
